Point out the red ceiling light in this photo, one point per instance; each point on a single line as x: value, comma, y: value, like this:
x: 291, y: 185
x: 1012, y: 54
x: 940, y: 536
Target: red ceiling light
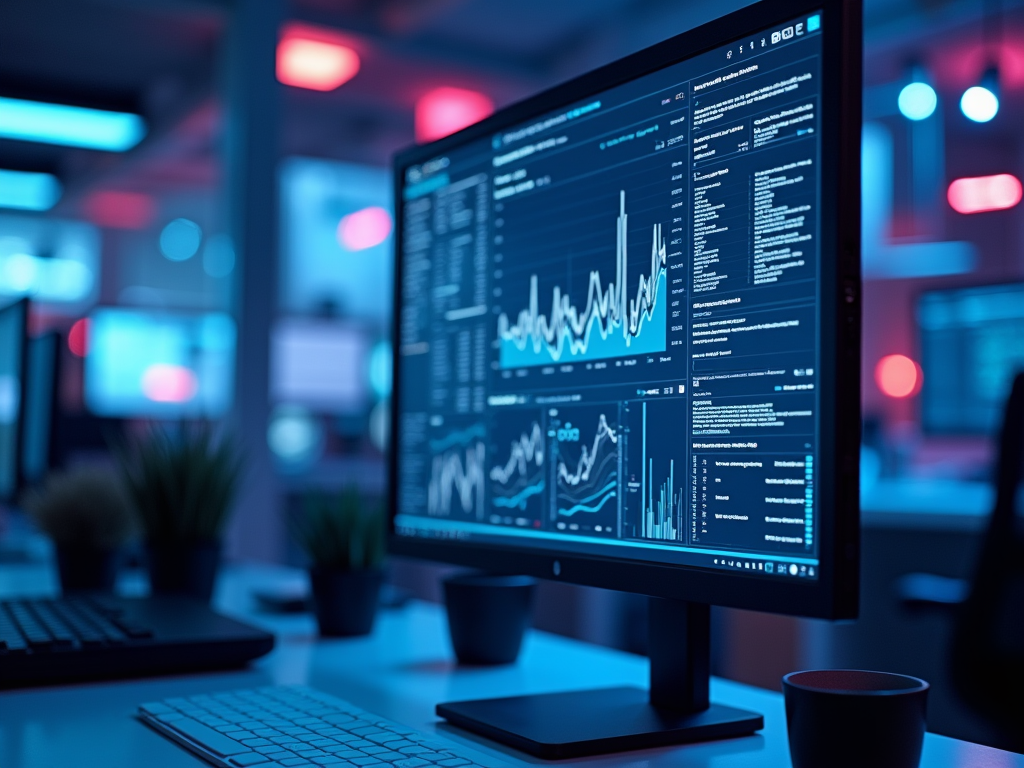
x: 984, y: 193
x: 898, y: 376
x: 315, y: 58
x: 78, y: 338
x: 119, y: 210
x: 364, y: 229
x: 447, y: 110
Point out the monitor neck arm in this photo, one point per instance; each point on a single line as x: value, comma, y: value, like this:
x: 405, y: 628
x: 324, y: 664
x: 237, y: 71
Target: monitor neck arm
x: 679, y: 646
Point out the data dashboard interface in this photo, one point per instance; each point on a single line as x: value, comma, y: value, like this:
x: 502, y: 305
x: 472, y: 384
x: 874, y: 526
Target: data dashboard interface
x: 608, y: 331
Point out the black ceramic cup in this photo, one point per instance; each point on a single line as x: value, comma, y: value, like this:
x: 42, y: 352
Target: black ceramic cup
x: 488, y: 615
x: 850, y: 718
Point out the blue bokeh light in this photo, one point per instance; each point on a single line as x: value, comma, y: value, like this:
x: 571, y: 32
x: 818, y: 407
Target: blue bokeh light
x: 180, y: 239
x: 917, y: 101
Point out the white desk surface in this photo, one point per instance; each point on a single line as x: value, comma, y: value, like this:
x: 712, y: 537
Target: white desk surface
x: 400, y: 672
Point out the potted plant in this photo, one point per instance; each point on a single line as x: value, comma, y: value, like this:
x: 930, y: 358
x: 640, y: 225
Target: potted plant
x: 182, y: 485
x: 345, y: 541
x: 86, y: 514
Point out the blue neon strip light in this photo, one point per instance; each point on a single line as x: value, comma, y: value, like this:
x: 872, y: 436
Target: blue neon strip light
x: 69, y: 126
x: 28, y: 191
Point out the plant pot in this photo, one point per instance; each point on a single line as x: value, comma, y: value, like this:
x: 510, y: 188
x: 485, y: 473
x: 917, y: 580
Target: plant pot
x: 345, y: 601
x: 87, y: 569
x: 184, y: 568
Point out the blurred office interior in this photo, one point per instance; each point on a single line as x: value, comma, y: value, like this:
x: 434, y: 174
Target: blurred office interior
x: 217, y: 246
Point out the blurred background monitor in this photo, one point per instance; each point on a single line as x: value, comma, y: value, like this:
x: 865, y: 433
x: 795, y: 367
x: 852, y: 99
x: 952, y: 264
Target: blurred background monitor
x: 320, y: 364
x: 336, y: 229
x: 972, y: 344
x: 159, y: 364
x: 12, y: 364
x: 40, y: 412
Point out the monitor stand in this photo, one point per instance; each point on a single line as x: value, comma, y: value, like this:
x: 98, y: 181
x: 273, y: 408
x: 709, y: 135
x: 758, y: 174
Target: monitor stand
x: 675, y: 710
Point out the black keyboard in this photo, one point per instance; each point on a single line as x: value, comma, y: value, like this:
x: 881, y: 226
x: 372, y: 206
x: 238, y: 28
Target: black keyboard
x: 43, y: 626
x: 100, y: 637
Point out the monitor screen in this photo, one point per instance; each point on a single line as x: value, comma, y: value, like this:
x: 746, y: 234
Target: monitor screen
x: 12, y: 340
x: 159, y: 364
x: 972, y: 345
x: 322, y: 364
x: 40, y: 404
x: 609, y: 320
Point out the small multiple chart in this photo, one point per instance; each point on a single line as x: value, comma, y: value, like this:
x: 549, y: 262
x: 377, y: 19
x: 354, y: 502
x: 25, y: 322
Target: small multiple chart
x: 458, y: 475
x: 586, y: 442
x: 517, y: 473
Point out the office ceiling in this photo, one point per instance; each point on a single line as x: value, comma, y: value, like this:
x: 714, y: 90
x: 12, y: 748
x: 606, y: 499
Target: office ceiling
x: 162, y: 58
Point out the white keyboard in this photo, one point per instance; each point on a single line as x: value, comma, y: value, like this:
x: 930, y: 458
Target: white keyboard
x: 294, y: 727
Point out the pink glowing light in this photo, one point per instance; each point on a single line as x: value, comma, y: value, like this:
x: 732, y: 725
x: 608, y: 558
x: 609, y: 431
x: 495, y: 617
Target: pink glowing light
x: 78, y: 338
x: 119, y: 210
x: 984, y: 193
x: 446, y: 110
x: 314, y: 58
x: 364, y: 229
x: 163, y: 383
x: 898, y: 376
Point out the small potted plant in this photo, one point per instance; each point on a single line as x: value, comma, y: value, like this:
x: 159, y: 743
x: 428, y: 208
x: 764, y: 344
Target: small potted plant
x: 86, y: 514
x: 182, y: 485
x: 344, y: 539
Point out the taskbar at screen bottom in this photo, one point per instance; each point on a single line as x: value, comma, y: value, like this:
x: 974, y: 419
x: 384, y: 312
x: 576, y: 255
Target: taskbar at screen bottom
x: 769, y: 565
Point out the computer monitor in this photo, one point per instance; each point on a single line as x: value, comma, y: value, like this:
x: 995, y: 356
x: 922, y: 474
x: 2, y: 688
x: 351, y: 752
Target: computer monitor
x: 627, y: 351
x: 39, y: 415
x: 13, y: 324
x: 159, y: 364
x: 972, y: 346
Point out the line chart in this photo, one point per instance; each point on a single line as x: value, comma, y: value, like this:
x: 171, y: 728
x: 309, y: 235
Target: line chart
x: 587, y: 474
x: 611, y: 324
x: 457, y: 476
x: 518, y: 484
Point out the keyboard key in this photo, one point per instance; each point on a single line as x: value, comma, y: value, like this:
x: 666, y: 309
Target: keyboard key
x: 309, y: 753
x: 280, y: 754
x: 256, y: 742
x: 390, y: 757
x: 265, y: 733
x: 360, y: 743
x: 170, y: 718
x: 412, y: 762
x: 215, y: 742
x: 329, y: 760
x: 156, y: 708
x: 294, y: 762
x: 321, y: 743
x: 344, y: 752
x: 365, y: 761
x: 338, y: 719
x: 454, y: 762
x: 251, y: 758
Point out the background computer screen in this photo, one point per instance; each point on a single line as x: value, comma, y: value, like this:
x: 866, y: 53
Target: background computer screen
x: 12, y: 339
x: 159, y: 364
x: 40, y: 406
x: 972, y: 345
x: 608, y: 328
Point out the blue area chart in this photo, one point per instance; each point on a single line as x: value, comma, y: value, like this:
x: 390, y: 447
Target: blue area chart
x: 615, y: 321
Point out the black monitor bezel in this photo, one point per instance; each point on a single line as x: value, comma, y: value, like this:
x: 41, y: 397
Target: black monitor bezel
x: 19, y: 307
x: 834, y: 594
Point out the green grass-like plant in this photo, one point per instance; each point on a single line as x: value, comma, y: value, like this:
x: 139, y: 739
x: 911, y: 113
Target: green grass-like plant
x: 84, y: 509
x: 341, y: 532
x: 181, y: 483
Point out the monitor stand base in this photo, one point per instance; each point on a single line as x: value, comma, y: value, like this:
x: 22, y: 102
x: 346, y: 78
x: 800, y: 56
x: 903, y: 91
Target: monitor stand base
x: 674, y: 710
x: 555, y: 726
